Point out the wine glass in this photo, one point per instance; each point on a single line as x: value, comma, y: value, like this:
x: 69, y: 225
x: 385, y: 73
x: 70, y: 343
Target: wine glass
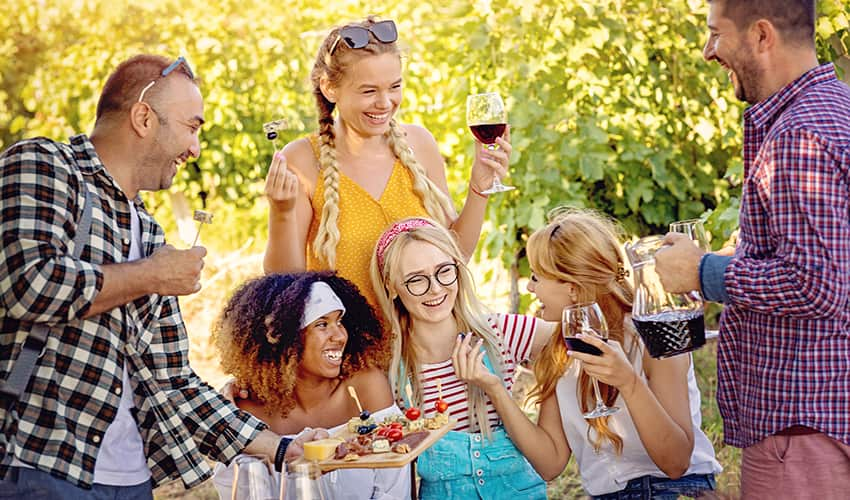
x: 695, y: 230
x: 587, y: 319
x: 253, y: 479
x: 487, y: 119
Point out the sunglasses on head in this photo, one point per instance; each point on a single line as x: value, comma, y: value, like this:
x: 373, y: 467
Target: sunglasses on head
x: 357, y: 37
x: 180, y: 61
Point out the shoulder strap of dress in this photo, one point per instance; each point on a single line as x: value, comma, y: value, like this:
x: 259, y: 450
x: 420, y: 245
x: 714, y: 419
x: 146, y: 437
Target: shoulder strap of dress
x: 314, y: 144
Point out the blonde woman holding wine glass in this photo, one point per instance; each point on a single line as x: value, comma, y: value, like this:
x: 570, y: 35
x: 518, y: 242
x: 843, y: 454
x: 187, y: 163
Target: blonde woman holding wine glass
x: 652, y: 446
x: 332, y: 193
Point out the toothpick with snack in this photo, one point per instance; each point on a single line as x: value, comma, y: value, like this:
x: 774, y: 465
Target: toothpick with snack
x: 204, y: 218
x: 363, y: 424
x: 272, y: 128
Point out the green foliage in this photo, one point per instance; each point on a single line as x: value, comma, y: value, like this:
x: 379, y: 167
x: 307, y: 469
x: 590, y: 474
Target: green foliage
x: 610, y: 102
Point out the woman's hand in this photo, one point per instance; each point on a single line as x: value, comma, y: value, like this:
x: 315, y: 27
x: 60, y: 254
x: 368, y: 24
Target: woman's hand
x: 233, y: 390
x: 281, y: 185
x: 612, y: 367
x: 468, y: 362
x: 490, y: 163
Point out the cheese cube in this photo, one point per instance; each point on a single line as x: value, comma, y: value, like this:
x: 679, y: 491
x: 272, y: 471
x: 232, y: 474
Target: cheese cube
x: 321, y: 449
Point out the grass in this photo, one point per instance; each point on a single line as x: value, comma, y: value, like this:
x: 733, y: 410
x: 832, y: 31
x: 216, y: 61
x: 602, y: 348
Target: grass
x: 223, y: 272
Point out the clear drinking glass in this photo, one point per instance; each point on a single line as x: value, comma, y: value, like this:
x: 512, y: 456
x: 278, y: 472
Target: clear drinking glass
x: 587, y: 319
x: 695, y: 230
x: 487, y: 119
x: 304, y: 482
x: 253, y: 479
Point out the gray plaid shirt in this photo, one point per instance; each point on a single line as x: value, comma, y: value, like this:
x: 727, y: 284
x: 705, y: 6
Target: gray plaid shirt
x: 74, y: 392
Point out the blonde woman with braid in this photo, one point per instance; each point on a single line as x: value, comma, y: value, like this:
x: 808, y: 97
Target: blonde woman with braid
x: 445, y: 345
x: 331, y: 194
x: 653, y: 447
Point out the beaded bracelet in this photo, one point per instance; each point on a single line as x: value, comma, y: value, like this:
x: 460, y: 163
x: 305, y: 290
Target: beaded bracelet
x: 280, y: 453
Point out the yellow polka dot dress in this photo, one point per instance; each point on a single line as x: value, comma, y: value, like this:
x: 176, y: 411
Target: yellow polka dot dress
x: 362, y: 220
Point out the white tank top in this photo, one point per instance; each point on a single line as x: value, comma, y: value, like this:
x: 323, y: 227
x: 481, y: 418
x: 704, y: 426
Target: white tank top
x: 605, y: 471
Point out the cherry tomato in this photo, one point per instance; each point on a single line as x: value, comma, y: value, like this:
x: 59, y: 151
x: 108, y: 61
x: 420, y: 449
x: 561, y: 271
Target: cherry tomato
x: 441, y: 406
x: 396, y: 425
x: 412, y: 413
x: 382, y: 431
x: 394, y: 435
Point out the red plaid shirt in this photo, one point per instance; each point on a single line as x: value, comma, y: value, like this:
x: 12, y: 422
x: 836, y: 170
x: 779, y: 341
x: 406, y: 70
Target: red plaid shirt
x: 74, y: 392
x: 784, y: 354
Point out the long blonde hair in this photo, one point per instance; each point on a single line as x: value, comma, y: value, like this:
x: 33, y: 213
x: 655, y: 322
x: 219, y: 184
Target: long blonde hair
x: 332, y: 67
x: 468, y: 313
x: 582, y: 247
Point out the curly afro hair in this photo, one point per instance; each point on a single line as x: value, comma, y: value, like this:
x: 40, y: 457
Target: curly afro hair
x: 259, y: 342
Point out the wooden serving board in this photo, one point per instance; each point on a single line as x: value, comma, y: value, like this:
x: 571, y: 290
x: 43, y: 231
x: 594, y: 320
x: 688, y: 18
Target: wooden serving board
x: 386, y: 460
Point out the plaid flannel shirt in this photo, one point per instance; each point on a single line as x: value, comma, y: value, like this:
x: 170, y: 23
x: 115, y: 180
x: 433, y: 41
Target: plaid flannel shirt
x: 74, y: 392
x: 784, y: 353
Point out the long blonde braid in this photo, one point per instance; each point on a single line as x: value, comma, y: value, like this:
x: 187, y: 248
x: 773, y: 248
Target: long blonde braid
x: 438, y: 205
x: 327, y: 237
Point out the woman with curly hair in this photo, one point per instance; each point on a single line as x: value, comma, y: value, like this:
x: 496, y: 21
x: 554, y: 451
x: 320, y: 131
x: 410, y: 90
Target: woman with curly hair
x: 332, y: 193
x: 445, y: 342
x: 296, y: 342
x: 653, y: 447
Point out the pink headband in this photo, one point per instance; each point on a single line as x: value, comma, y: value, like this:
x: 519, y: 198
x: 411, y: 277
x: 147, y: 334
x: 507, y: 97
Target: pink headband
x: 396, y: 229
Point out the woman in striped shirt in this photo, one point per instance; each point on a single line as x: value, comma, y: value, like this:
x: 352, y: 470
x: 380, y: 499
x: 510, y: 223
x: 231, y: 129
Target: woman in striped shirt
x: 446, y: 347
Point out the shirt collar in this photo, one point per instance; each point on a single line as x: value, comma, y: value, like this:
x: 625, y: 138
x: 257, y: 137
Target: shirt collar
x: 89, y: 162
x: 762, y: 113
x: 86, y: 157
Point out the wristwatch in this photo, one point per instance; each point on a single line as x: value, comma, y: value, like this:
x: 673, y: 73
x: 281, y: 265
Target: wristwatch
x: 281, y: 452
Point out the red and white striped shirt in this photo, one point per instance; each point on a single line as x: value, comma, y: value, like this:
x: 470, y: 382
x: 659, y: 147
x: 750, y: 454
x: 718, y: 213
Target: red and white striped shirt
x: 517, y: 334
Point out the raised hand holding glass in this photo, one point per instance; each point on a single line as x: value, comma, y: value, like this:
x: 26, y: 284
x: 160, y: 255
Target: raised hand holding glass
x: 487, y: 119
x: 587, y: 319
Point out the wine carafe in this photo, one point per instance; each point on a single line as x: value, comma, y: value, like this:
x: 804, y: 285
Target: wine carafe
x: 668, y: 323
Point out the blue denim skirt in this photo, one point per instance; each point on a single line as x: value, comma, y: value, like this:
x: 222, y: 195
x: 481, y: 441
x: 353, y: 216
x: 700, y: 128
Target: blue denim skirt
x: 467, y: 465
x: 657, y: 488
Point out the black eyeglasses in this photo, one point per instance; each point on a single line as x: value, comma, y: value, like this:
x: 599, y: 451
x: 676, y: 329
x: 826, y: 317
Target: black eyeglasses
x: 419, y: 284
x: 167, y: 71
x: 357, y: 37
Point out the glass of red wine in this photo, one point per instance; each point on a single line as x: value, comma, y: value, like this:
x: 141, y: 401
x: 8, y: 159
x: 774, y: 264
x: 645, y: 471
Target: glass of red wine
x: 587, y: 319
x: 487, y: 119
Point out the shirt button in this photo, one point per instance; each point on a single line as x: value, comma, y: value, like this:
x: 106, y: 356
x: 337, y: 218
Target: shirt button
x: 118, y: 390
x: 481, y: 482
x: 96, y: 439
x: 477, y: 438
x: 125, y: 241
x: 479, y: 473
x: 476, y: 454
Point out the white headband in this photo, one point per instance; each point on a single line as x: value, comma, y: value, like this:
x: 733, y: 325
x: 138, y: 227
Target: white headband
x: 321, y: 301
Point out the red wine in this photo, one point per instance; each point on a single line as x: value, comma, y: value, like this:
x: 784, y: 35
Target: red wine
x: 670, y: 333
x: 579, y: 345
x: 488, y: 133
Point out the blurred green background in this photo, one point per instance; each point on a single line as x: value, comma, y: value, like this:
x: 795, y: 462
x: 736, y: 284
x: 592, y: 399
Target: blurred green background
x: 610, y: 103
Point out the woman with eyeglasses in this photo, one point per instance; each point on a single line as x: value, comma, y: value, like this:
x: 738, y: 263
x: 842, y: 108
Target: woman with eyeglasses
x: 449, y: 352
x: 330, y: 194
x: 653, y: 447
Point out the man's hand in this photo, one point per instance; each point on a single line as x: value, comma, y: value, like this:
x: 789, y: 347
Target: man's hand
x: 295, y: 450
x: 677, y: 263
x: 176, y: 272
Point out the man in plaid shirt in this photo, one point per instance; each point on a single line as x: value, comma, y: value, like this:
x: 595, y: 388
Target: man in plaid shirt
x: 784, y: 351
x: 112, y: 407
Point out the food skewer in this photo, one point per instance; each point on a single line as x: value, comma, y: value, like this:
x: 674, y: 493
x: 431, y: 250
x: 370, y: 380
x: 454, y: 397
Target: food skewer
x: 204, y: 218
x: 353, y: 394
